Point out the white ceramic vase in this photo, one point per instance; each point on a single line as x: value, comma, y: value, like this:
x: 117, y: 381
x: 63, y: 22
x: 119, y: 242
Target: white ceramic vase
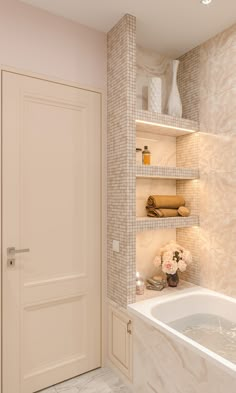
x: 174, y: 107
x: 154, y: 94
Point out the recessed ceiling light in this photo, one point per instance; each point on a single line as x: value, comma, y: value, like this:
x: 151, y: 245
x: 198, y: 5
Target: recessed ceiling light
x: 206, y: 2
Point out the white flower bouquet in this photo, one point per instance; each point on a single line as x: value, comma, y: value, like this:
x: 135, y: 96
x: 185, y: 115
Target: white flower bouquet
x: 171, y: 259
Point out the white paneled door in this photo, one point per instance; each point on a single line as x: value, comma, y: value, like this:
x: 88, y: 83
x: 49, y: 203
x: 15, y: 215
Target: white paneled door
x: 51, y: 211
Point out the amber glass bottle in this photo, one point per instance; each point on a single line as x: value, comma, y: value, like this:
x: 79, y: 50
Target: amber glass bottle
x: 146, y: 156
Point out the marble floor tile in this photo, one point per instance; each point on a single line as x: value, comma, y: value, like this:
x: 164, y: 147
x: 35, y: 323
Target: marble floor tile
x: 102, y: 380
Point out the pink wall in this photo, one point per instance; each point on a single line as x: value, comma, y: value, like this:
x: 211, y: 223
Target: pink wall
x: 34, y: 40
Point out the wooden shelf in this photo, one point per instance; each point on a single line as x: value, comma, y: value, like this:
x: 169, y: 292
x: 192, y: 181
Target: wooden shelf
x: 149, y: 223
x: 162, y: 172
x: 159, y: 124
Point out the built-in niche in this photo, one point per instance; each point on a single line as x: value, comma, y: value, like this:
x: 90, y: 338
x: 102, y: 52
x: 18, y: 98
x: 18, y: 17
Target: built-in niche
x: 173, y: 150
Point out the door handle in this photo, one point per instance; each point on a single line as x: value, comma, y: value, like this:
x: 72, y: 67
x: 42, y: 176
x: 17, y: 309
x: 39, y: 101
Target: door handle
x: 12, y: 251
x: 11, y: 254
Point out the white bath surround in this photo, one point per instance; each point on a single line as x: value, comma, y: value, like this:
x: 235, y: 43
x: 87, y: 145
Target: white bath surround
x: 166, y: 360
x: 161, y: 312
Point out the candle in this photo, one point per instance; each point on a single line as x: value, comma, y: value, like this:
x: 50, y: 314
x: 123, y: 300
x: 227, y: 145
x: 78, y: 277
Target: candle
x: 140, y: 287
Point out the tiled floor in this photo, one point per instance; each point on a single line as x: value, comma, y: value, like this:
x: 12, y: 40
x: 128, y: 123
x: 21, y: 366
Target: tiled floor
x: 102, y: 380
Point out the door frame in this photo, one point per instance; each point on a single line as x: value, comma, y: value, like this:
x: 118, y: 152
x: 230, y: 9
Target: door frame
x: 103, y: 172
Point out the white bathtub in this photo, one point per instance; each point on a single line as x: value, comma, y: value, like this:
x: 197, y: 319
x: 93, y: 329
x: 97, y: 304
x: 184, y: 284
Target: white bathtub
x: 162, y: 312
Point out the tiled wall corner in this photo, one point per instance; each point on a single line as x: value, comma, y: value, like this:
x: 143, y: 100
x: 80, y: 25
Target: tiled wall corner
x: 190, y: 190
x: 187, y: 155
x: 121, y: 44
x: 187, y: 151
x: 189, y: 239
x: 188, y: 83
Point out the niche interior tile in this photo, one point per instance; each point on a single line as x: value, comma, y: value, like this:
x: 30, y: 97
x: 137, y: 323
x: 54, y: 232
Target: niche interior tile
x: 148, y: 244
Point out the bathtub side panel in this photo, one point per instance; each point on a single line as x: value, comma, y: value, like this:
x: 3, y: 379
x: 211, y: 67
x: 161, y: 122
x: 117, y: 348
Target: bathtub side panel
x: 162, y: 365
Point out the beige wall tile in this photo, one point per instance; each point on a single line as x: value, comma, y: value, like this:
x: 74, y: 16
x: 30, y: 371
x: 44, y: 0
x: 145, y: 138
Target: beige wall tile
x: 217, y: 73
x: 220, y: 43
x: 218, y: 112
x: 214, y: 242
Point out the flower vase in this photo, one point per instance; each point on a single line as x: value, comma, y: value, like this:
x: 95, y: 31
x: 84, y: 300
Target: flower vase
x: 174, y: 107
x: 172, y: 280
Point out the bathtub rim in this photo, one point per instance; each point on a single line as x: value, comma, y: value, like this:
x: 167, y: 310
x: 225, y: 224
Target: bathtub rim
x: 137, y: 309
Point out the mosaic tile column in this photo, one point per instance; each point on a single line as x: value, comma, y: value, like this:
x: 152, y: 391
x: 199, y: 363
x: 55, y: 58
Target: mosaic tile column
x: 189, y: 83
x: 187, y: 156
x: 121, y: 159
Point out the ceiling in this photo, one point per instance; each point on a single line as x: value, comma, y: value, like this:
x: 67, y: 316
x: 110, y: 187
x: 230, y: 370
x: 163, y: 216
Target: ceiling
x: 171, y: 27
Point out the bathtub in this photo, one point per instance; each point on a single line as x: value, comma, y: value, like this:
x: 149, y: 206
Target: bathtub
x: 180, y: 312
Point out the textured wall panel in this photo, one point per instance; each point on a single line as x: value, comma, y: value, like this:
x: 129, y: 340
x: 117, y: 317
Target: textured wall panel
x: 213, y: 244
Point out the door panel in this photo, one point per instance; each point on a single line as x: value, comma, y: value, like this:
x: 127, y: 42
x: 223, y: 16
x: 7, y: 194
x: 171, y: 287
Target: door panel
x: 63, y: 320
x: 51, y: 204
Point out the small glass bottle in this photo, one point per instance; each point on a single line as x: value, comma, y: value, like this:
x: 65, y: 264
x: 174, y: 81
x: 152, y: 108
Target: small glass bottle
x: 138, y: 156
x: 146, y: 156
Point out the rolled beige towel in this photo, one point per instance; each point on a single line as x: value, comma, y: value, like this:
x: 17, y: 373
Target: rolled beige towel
x: 183, y: 211
x: 169, y: 212
x: 166, y: 201
x: 151, y: 212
